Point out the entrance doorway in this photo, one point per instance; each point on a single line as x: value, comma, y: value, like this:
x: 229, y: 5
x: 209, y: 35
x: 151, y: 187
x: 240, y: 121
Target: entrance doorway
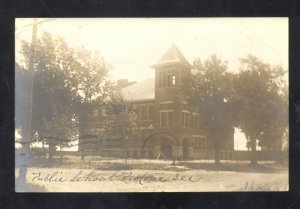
x: 165, y: 148
x: 162, y: 145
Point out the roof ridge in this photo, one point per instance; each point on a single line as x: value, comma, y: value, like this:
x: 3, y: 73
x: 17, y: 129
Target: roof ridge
x: 172, y: 56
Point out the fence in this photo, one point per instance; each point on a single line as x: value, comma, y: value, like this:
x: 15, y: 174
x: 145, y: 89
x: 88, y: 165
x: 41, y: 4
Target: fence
x: 197, y: 154
x: 238, y: 155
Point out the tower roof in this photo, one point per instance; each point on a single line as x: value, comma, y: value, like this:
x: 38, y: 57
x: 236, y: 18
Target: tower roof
x: 172, y: 56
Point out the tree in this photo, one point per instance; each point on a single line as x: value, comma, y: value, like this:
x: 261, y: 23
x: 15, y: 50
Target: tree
x: 210, y: 90
x: 260, y: 104
x: 121, y: 118
x: 114, y: 121
x: 92, y: 88
x: 52, y: 106
x: 92, y: 84
x: 65, y: 79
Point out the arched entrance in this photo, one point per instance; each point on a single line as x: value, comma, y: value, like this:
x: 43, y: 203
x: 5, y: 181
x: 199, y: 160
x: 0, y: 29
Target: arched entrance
x: 165, y: 149
x: 161, y: 145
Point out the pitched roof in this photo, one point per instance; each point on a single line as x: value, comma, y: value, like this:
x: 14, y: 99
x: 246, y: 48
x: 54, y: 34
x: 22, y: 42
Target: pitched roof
x: 172, y: 56
x: 143, y: 90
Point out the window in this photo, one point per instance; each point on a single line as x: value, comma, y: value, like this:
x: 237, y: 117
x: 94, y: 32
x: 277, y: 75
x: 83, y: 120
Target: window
x: 185, y: 119
x: 163, y: 119
x: 166, y: 119
x: 203, y: 144
x: 193, y: 122
x: 166, y: 79
x: 198, y: 122
x: 195, y: 143
x: 173, y: 80
x: 144, y: 112
x: 134, y: 139
x: 151, y: 112
x: 130, y: 140
x: 199, y: 143
x: 137, y: 111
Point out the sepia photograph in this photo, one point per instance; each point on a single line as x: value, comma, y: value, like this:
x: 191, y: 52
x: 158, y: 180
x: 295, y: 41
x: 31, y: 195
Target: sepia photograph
x: 151, y: 104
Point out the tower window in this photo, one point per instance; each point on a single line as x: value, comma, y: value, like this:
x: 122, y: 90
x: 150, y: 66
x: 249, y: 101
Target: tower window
x: 173, y: 80
x: 166, y: 79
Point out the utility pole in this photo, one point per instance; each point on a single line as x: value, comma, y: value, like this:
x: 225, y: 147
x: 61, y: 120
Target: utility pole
x: 23, y: 157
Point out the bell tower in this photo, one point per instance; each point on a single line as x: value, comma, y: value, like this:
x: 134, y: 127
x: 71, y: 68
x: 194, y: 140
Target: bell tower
x: 169, y: 73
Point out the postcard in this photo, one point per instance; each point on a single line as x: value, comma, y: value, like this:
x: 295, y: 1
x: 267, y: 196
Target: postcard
x: 151, y: 104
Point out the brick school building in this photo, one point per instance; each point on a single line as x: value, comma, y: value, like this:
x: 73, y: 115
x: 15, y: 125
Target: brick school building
x: 167, y: 126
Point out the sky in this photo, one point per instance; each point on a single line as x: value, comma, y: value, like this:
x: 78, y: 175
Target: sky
x: 131, y: 45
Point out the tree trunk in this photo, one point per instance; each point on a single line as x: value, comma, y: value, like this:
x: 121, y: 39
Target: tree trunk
x: 51, y: 152
x: 44, y: 151
x: 253, y: 152
x: 82, y: 154
x: 61, y: 154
